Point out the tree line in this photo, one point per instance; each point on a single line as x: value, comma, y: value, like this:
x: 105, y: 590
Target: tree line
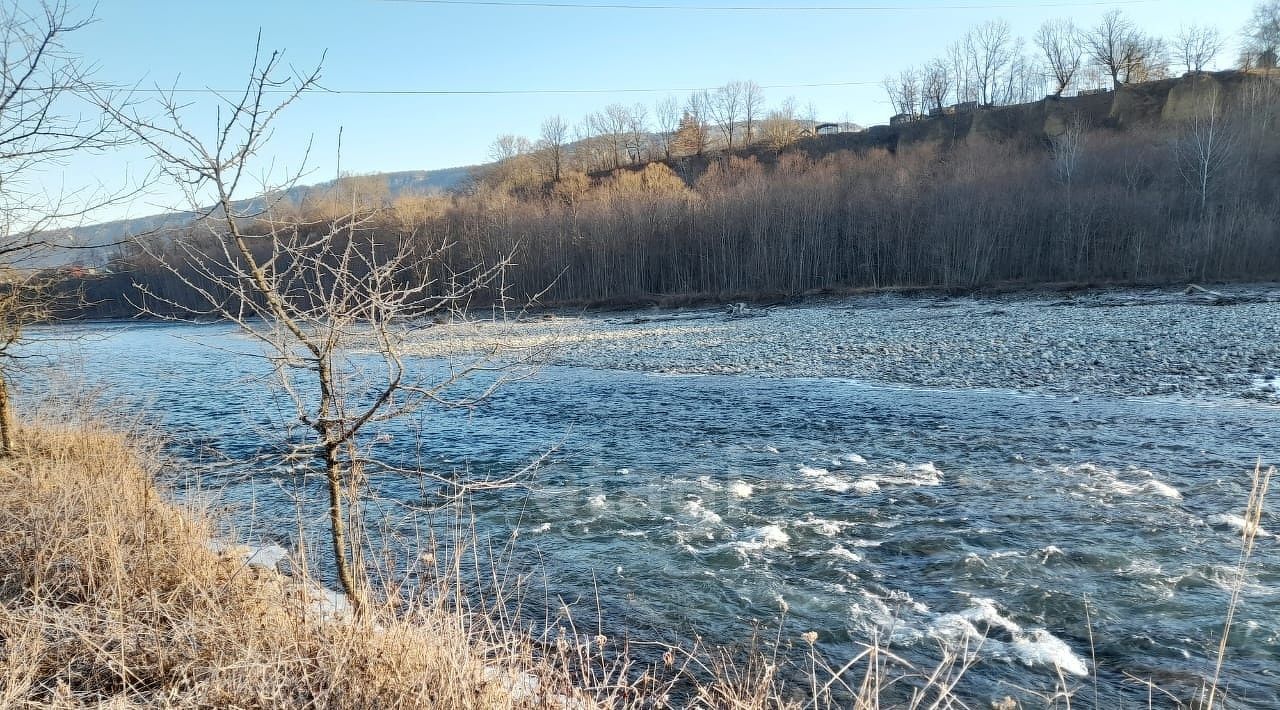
x: 731, y: 117
x: 990, y: 66
x: 1189, y: 200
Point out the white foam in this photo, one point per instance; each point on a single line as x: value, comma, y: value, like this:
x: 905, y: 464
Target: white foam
x: 542, y: 528
x: 1161, y: 488
x: 828, y: 528
x: 1038, y: 647
x: 695, y: 509
x: 824, y: 480
x: 1109, y: 481
x: 1033, y: 647
x: 596, y: 501
x: 1050, y: 551
x: 922, y: 474
x: 1238, y: 524
x: 844, y: 553
x: 984, y: 610
x: 772, y: 536
x: 835, y: 484
x: 952, y: 628
x: 853, y: 458
x: 866, y: 486
x: 741, y: 489
x: 927, y: 468
x: 824, y: 527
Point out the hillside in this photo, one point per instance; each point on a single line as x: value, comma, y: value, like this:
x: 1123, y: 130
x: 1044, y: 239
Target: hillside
x: 1131, y: 106
x: 108, y: 234
x: 999, y: 196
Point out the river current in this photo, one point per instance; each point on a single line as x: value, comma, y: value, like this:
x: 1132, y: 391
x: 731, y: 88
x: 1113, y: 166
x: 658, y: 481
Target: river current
x: 1093, y: 535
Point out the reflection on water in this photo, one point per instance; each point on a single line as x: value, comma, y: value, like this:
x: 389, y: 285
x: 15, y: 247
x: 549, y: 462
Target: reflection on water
x: 706, y: 503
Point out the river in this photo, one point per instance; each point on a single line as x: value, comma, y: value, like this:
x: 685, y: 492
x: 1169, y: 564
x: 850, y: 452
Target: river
x: 1097, y: 534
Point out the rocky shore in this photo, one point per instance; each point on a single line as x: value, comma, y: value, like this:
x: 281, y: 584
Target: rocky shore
x: 1169, y: 342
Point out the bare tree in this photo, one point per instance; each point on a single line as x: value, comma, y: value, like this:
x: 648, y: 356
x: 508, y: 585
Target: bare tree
x: 896, y: 102
x: 611, y: 124
x: 1197, y: 45
x: 1022, y: 81
x: 514, y: 167
x: 780, y: 127
x: 810, y: 117
x: 961, y: 72
x: 312, y: 295
x: 935, y: 84
x: 590, y: 152
x: 1060, y: 42
x: 1067, y: 147
x: 508, y: 146
x: 752, y: 105
x: 1153, y: 60
x: 1263, y: 34
x: 1204, y: 147
x: 989, y: 47
x: 1124, y: 52
x: 638, y: 132
x: 41, y: 83
x: 904, y: 92
x: 726, y: 106
x: 555, y: 136
x: 667, y: 114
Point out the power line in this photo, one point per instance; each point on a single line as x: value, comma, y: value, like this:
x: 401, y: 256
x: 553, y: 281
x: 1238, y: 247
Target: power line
x: 489, y: 92
x: 563, y: 5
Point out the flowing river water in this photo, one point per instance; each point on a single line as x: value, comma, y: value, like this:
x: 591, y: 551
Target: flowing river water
x: 1092, y: 536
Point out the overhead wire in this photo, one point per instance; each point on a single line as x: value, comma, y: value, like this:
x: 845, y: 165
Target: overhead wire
x: 569, y: 5
x: 318, y: 89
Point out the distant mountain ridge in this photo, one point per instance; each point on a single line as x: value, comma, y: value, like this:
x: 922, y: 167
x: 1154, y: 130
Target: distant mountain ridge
x: 94, y: 242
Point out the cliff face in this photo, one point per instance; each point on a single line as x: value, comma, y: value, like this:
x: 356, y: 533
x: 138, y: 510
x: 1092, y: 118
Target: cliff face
x: 1152, y: 103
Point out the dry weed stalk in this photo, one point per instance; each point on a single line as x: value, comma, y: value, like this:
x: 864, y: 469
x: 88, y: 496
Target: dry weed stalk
x: 1261, y: 481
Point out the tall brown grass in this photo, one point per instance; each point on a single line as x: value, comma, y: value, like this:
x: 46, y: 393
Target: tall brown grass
x: 110, y: 595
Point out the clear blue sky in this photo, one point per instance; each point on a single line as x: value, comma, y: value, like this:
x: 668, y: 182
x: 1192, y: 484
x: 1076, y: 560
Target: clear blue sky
x: 376, y: 44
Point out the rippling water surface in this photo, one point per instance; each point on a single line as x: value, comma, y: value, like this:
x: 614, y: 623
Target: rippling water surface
x: 706, y: 504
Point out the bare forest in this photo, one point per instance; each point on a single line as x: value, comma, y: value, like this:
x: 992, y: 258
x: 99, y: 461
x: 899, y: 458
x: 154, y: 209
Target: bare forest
x: 1184, y: 200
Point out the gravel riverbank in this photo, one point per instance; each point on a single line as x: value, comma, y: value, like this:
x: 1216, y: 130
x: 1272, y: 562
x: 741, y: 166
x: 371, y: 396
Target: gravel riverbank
x: 1116, y: 342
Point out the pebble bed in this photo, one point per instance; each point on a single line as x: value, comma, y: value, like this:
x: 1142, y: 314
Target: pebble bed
x: 1126, y: 343
x: 1157, y: 342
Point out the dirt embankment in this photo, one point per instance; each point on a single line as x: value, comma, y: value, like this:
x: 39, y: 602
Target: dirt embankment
x: 1151, y: 103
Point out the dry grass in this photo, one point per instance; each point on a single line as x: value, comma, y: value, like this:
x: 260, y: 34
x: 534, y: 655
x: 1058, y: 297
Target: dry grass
x: 110, y: 596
